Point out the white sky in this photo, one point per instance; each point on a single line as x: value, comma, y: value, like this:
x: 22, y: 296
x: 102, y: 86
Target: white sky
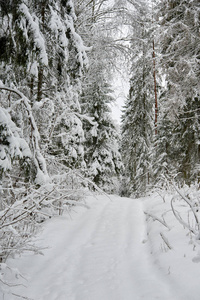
x: 120, y: 88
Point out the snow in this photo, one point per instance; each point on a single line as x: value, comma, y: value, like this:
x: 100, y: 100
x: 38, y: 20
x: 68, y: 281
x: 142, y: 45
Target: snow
x: 111, y: 252
x: 34, y: 69
x: 180, y: 263
x: 38, y: 38
x: 59, y: 30
x: 13, y: 146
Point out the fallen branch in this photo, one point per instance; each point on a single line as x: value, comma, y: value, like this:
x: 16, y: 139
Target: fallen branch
x: 166, y: 241
x: 157, y: 219
x: 22, y: 297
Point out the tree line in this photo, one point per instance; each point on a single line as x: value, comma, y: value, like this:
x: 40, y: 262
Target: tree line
x: 57, y: 136
x: 160, y: 122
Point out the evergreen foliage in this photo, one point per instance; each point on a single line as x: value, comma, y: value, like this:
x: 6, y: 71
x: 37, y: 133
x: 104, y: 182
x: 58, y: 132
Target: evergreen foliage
x: 178, y: 126
x: 56, y: 129
x: 41, y: 135
x: 137, y: 123
x: 48, y: 134
x: 174, y: 147
x: 43, y: 36
x: 102, y: 157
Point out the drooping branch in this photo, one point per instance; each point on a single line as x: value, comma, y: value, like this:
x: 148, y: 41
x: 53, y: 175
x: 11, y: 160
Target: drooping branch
x: 190, y: 205
x: 38, y: 158
x: 181, y: 221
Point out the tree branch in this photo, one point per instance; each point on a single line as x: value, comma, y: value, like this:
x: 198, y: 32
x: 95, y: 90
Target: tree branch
x: 157, y: 219
x: 37, y: 156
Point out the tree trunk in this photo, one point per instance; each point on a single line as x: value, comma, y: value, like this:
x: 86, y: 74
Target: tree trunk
x: 40, y: 72
x: 40, y: 82
x: 155, y: 90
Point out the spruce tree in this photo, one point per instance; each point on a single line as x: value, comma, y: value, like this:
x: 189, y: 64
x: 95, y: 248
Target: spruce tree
x: 101, y: 147
x: 179, y: 100
x: 43, y: 57
x: 137, y: 118
x: 102, y: 156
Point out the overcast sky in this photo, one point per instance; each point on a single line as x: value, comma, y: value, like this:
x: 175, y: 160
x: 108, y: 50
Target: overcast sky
x: 121, y: 88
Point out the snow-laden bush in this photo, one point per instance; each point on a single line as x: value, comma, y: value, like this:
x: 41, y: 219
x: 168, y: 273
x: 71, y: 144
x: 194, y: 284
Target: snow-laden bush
x: 25, y: 206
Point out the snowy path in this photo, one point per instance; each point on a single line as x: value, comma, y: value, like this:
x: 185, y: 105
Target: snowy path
x: 99, y: 255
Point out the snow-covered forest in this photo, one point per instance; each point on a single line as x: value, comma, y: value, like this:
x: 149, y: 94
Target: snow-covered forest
x: 59, y: 141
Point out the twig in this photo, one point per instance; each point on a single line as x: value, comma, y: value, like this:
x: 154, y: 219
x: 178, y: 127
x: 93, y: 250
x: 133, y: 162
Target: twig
x: 181, y: 221
x: 23, y: 297
x: 166, y: 241
x: 11, y: 284
x: 190, y: 205
x: 157, y: 219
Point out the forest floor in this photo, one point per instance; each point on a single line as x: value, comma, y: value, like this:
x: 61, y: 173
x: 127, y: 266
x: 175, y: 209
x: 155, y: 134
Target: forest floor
x: 111, y: 251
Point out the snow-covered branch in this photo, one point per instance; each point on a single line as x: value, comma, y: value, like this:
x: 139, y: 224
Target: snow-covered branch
x: 39, y: 161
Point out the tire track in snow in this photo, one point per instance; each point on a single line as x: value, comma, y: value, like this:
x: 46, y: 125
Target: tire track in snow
x: 116, y: 264
x: 100, y: 255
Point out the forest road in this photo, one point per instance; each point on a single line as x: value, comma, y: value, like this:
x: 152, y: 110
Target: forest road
x: 100, y: 254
